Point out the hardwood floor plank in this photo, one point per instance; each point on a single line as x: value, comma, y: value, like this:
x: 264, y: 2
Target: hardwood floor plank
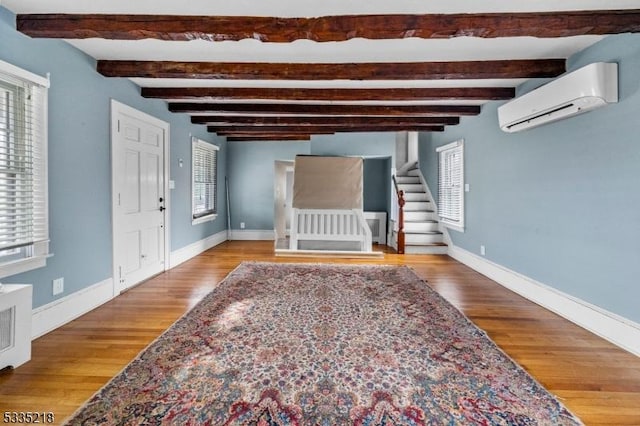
x: 596, y: 380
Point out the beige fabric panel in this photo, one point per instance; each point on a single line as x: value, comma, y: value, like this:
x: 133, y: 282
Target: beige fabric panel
x: 327, y: 183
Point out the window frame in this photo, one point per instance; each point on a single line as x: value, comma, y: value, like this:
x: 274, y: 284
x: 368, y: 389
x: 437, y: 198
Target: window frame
x: 201, y: 145
x: 446, y: 155
x: 34, y: 254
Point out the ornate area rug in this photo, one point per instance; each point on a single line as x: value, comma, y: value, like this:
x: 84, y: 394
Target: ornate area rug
x: 302, y: 344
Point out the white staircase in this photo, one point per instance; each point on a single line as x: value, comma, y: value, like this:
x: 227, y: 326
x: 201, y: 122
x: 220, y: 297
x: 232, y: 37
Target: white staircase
x: 421, y: 228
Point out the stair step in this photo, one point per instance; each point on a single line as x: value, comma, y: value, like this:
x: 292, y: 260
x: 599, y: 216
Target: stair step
x: 402, y: 171
x: 418, y: 227
x: 408, y: 179
x: 418, y: 216
x: 412, y: 239
x: 413, y: 206
x: 437, y: 248
x: 413, y: 172
x: 425, y: 248
x: 416, y: 196
x: 410, y: 187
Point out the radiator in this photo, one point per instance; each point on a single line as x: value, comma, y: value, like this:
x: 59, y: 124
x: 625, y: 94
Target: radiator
x: 15, y: 325
x: 377, y: 222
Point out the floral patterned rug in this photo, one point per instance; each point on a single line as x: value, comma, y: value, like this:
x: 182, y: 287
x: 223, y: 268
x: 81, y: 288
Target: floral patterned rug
x: 310, y: 344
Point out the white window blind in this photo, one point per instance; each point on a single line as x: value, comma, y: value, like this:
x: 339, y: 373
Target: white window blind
x: 204, y: 172
x: 24, y: 228
x: 451, y: 184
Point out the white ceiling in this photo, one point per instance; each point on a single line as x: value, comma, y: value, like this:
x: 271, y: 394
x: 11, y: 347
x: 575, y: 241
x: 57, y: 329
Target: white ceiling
x: 354, y: 50
x: 351, y: 51
x: 306, y: 8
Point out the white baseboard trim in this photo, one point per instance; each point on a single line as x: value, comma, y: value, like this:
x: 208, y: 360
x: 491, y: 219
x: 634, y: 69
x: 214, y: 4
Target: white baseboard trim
x: 48, y: 317
x: 185, y: 253
x: 251, y: 234
x: 614, y: 328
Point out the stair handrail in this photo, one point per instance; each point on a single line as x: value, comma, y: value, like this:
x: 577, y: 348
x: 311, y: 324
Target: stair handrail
x: 401, y: 201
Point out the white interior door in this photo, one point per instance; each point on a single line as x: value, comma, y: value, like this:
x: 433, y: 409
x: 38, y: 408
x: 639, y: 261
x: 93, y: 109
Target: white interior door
x: 288, y: 199
x: 138, y: 167
x: 283, y: 189
x: 279, y: 187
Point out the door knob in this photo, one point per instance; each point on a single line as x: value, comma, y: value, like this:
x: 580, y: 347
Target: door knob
x: 162, y: 208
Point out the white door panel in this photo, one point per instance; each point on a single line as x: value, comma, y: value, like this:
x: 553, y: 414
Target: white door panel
x: 150, y: 245
x: 139, y: 182
x: 153, y: 138
x: 151, y: 185
x: 130, y: 199
x: 132, y: 250
x: 130, y: 132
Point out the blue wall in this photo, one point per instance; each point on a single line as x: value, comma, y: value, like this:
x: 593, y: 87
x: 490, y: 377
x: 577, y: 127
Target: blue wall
x: 377, y: 184
x: 559, y: 203
x: 183, y: 232
x: 251, y: 171
x: 364, y: 144
x: 251, y: 175
x: 79, y: 162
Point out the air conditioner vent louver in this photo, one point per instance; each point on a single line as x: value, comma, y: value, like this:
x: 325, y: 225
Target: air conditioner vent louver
x: 536, y: 117
x: 587, y: 88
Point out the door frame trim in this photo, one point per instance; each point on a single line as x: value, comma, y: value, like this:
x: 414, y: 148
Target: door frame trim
x: 115, y: 110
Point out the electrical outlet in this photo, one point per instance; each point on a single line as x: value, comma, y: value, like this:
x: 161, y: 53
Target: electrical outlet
x: 482, y: 250
x: 241, y: 225
x: 58, y: 286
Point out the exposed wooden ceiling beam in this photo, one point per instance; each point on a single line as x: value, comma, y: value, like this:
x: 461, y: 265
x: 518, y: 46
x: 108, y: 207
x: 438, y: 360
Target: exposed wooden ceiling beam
x: 330, y: 28
x: 271, y: 133
x: 225, y: 120
x: 325, y: 109
x: 269, y: 138
x: 456, y: 70
x: 223, y: 130
x: 298, y: 94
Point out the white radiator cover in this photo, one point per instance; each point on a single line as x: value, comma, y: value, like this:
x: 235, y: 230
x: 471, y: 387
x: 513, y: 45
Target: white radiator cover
x: 15, y: 325
x: 377, y: 222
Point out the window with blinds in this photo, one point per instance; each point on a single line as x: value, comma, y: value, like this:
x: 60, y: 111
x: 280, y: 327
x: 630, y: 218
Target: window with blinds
x: 24, y: 228
x: 451, y: 184
x: 204, y: 171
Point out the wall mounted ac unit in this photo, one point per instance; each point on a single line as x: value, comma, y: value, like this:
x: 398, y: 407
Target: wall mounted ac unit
x: 15, y: 325
x: 592, y: 86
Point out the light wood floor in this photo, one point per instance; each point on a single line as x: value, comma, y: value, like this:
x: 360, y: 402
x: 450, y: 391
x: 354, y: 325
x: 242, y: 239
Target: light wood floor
x: 596, y: 380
